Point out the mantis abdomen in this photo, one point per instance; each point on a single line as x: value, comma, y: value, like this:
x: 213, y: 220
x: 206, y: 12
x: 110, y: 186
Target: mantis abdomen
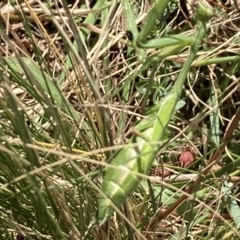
x: 120, y: 182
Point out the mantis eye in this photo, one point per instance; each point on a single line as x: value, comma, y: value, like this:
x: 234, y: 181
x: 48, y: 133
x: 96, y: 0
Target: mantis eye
x: 129, y: 35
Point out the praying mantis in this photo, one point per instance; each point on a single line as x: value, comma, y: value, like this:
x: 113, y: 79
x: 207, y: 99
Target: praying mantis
x: 121, y: 181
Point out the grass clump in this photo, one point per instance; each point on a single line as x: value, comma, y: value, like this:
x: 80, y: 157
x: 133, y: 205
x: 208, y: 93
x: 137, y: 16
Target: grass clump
x: 72, y: 88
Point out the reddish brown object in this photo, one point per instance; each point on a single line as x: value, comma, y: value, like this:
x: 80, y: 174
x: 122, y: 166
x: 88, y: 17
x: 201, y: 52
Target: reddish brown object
x: 161, y: 172
x: 186, y: 158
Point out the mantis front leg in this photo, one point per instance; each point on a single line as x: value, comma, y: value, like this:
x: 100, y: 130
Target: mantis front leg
x: 170, y: 44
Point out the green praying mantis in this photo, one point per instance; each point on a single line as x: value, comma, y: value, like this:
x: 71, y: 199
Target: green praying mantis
x: 121, y: 181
